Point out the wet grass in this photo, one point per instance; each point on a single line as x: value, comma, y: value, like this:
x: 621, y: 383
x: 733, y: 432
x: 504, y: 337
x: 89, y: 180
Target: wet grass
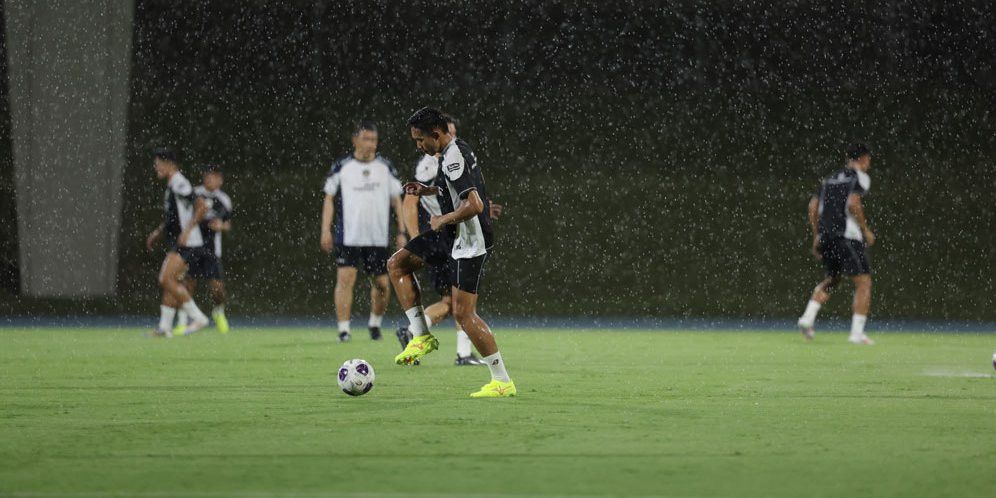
x: 106, y: 412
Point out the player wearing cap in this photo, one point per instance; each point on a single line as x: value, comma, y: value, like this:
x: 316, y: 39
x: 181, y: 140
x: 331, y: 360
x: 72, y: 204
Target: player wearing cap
x: 217, y: 220
x: 360, y: 190
x: 182, y: 213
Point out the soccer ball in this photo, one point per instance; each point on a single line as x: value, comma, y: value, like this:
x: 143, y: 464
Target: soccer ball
x: 356, y: 377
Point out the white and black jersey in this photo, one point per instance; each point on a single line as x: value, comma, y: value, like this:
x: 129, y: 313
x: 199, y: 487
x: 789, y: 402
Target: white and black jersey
x: 428, y: 206
x: 219, y: 208
x: 459, y: 174
x: 835, y: 218
x: 363, y: 191
x: 178, y: 212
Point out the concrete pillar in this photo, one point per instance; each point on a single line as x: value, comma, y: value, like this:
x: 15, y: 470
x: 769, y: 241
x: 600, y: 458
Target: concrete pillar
x: 68, y: 72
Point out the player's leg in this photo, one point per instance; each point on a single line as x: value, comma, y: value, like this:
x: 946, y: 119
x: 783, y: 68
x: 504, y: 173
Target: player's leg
x: 401, y: 268
x: 167, y: 312
x: 380, y: 289
x: 169, y: 278
x: 345, y: 281
x: 466, y: 276
x: 219, y: 298
x: 861, y: 306
x: 182, y: 320
x: 819, y: 297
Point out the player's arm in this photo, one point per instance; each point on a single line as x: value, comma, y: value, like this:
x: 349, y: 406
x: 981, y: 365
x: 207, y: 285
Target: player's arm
x: 409, y: 212
x: 420, y: 189
x: 399, y: 215
x: 814, y: 224
x: 328, y: 211
x: 154, y: 236
x: 471, y: 206
x: 857, y: 210
x: 200, y: 210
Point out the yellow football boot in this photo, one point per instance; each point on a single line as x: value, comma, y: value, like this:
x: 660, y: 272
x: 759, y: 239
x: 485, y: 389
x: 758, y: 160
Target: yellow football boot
x: 418, y: 347
x: 496, y: 389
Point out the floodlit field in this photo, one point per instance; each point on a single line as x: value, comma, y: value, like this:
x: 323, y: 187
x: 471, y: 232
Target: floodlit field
x: 95, y: 412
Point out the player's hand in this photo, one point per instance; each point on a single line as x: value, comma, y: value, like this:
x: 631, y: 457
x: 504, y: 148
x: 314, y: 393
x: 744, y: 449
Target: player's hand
x: 494, y: 211
x: 817, y: 253
x: 327, y: 243
x: 419, y: 189
x: 150, y: 241
x: 437, y: 223
x: 182, y: 240
x: 400, y: 240
x: 869, y: 238
x: 216, y: 224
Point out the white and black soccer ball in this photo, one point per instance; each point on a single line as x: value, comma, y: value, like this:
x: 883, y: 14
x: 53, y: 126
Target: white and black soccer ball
x: 356, y: 377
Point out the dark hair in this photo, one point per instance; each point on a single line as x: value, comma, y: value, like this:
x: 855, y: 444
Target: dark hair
x: 428, y: 119
x: 450, y: 119
x: 364, y: 126
x: 856, y: 151
x: 165, y: 153
x: 211, y: 168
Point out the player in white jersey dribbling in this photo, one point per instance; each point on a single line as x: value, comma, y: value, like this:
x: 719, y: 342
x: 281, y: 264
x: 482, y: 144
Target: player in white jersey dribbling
x: 360, y: 190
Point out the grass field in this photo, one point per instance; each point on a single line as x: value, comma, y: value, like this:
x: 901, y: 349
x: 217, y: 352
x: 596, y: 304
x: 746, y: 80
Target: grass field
x: 93, y: 412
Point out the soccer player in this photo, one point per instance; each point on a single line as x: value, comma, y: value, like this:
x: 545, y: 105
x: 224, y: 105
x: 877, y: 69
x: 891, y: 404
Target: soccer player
x: 840, y: 236
x: 217, y: 220
x: 360, y: 190
x: 417, y: 213
x: 460, y: 188
x: 182, y: 212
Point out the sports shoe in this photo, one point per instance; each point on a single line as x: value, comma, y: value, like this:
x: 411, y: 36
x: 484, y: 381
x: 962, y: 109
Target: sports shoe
x: 495, y: 389
x: 416, y: 349
x: 220, y: 322
x: 375, y: 333
x: 403, y: 336
x: 463, y: 361
x: 807, y: 330
x: 861, y: 339
x: 195, y: 327
x: 156, y: 334
x: 179, y: 329
x: 344, y: 336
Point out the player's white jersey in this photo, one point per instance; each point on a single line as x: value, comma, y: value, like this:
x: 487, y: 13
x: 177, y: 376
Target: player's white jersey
x: 363, y: 191
x: 462, y: 174
x: 425, y: 172
x: 178, y: 205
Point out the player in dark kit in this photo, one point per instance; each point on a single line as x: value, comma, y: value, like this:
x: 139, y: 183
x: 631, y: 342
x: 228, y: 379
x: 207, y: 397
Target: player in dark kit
x: 840, y: 238
x: 459, y: 186
x: 182, y: 213
x: 217, y: 220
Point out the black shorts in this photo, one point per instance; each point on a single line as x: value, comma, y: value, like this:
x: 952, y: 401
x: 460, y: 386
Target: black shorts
x: 206, y: 266
x: 465, y: 274
x: 432, y: 247
x: 842, y: 256
x: 373, y: 259
x: 440, y: 277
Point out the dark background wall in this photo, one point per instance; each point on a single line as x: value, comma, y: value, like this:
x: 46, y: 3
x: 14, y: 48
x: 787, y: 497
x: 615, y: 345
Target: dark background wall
x: 654, y: 161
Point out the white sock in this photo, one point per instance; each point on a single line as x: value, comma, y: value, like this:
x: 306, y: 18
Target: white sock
x: 218, y: 310
x: 344, y: 326
x: 375, y: 320
x: 463, y: 344
x: 416, y: 321
x: 809, y: 317
x: 497, y: 366
x: 166, y: 315
x: 858, y: 325
x: 181, y: 318
x: 194, y: 312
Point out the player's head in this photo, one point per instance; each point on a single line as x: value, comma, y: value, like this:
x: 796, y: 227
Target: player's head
x: 858, y: 156
x: 164, y: 161
x: 365, y: 138
x: 212, y: 177
x: 451, y: 124
x: 430, y: 131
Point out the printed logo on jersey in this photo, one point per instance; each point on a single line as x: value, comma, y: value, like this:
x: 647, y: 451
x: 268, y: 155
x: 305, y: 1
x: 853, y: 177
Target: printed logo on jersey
x: 453, y: 167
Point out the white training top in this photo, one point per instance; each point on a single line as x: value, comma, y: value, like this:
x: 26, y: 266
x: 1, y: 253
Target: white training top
x: 425, y: 172
x: 363, y: 191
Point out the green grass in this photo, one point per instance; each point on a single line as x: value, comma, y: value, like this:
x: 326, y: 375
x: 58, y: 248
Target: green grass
x: 92, y: 412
